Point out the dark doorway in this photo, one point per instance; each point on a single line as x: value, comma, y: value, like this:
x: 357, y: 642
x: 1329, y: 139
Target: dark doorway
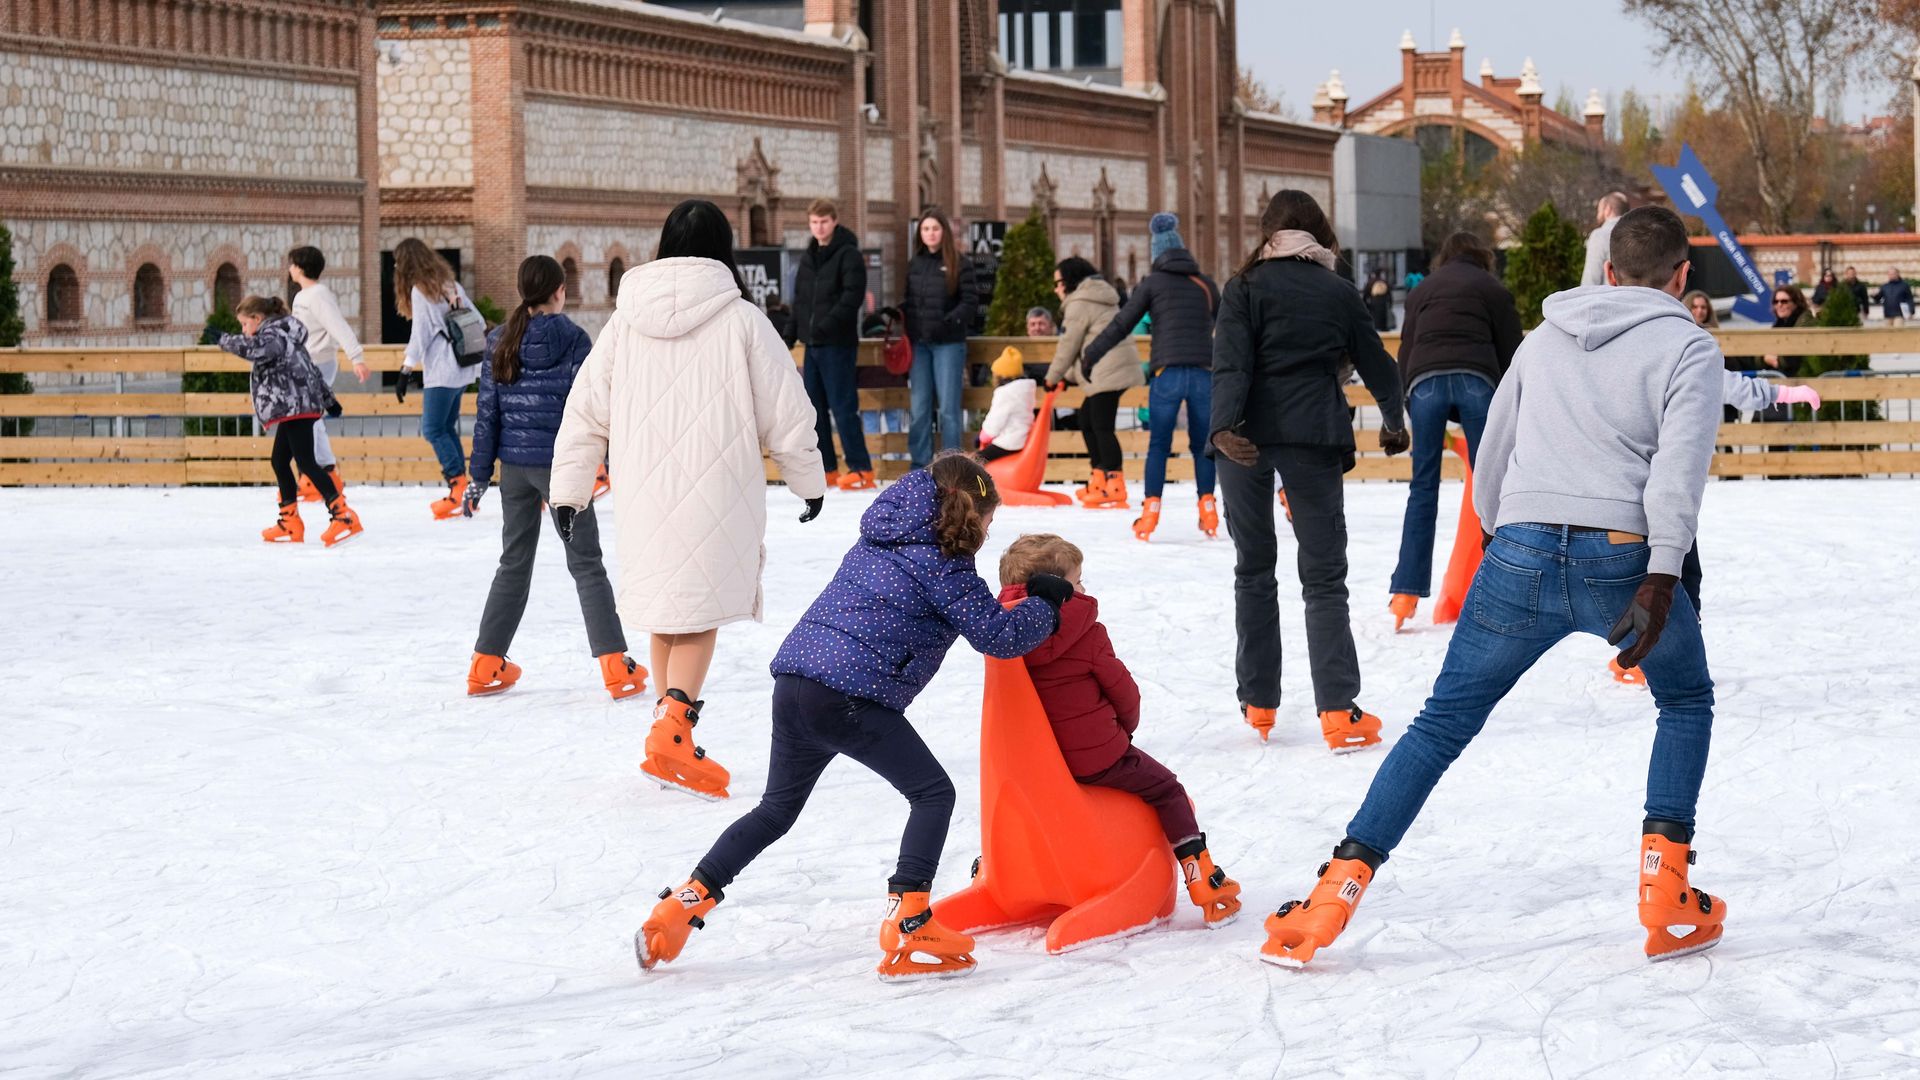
x: 394, y: 329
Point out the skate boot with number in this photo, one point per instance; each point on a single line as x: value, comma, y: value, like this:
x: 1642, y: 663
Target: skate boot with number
x: 672, y: 758
x: 914, y: 945
x: 1208, y: 886
x: 1302, y: 927
x: 1667, y: 900
x: 1149, y: 518
x: 623, y: 675
x: 1347, y: 730
x: 679, y: 913
x: 1209, y: 516
x: 1261, y: 720
x: 289, y: 529
x: 489, y: 674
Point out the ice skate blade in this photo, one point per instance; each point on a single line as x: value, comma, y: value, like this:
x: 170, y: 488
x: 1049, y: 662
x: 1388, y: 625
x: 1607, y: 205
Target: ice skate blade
x: 671, y: 784
x: 914, y: 970
x: 1224, y: 921
x: 1354, y: 749
x: 489, y: 691
x: 1685, y: 950
x: 1287, y: 962
x: 641, y: 953
x: 331, y: 544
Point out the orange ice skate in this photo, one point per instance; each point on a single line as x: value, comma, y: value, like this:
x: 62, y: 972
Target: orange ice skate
x: 1403, y: 605
x: 308, y: 493
x: 1095, y: 486
x: 1208, y: 886
x: 343, y: 524
x: 1261, y: 720
x: 1209, y: 516
x: 1667, y: 903
x: 857, y: 481
x: 1149, y: 518
x: 672, y: 758
x: 624, y: 677
x: 909, y: 931
x: 1302, y: 927
x: 679, y: 913
x: 601, y: 485
x: 1631, y: 676
x: 289, y: 529
x: 1347, y: 730
x: 1113, y: 496
x: 491, y: 674
x: 449, y: 507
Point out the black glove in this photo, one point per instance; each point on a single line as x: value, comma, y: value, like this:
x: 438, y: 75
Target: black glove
x: 1086, y: 369
x: 1645, y: 618
x: 563, y: 521
x: 1052, y: 588
x: 334, y: 408
x: 1395, y: 442
x: 1239, y: 449
x: 1486, y: 539
x: 813, y: 509
x: 400, y: 384
x: 475, y: 489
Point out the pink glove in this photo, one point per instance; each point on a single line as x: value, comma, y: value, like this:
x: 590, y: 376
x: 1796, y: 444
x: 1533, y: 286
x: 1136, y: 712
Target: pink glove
x: 1798, y: 395
x: 985, y: 440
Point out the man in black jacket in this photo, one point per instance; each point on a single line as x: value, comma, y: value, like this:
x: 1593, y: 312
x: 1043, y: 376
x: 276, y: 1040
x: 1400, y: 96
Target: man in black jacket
x: 828, y: 292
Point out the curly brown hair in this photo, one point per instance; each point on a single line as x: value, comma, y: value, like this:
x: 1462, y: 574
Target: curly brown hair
x: 967, y: 496
x: 1039, y: 553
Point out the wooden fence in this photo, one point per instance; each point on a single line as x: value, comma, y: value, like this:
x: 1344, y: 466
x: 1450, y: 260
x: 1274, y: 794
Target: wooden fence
x: 1888, y: 445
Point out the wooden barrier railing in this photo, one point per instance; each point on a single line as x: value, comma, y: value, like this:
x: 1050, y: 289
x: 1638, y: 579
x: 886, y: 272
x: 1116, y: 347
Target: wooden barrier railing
x: 1888, y: 446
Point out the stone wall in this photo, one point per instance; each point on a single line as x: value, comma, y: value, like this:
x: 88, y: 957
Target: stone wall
x: 105, y: 256
x: 92, y: 114
x: 1320, y: 187
x: 580, y: 146
x: 426, y: 125
x: 973, y: 190
x: 1075, y: 175
x: 1504, y: 124
x: 879, y: 150
x: 593, y: 247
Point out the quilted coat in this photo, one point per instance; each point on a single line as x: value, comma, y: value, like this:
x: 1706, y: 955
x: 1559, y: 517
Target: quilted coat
x: 1090, y: 697
x: 1182, y: 302
x: 1089, y: 308
x: 686, y: 384
x: 515, y: 422
x: 284, y: 383
x: 885, y: 622
x: 934, y: 315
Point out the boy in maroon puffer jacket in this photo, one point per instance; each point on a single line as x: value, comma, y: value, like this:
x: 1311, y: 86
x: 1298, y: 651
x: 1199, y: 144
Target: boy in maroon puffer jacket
x: 1094, y: 707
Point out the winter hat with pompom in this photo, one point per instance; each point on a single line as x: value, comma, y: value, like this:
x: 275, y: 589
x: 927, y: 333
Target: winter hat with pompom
x: 1010, y: 364
x: 1165, y: 230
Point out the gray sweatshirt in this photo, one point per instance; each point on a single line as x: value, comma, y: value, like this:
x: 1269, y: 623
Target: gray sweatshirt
x: 1607, y: 419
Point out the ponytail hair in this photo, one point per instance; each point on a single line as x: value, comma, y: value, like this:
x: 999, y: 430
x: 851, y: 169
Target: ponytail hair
x: 967, y: 496
x: 540, y: 277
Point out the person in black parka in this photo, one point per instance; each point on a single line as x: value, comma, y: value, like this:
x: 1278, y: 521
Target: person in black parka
x: 1182, y: 302
x: 1288, y: 322
x: 939, y: 306
x: 829, y: 290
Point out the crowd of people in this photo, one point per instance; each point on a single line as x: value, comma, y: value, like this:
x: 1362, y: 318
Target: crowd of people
x: 1588, y: 487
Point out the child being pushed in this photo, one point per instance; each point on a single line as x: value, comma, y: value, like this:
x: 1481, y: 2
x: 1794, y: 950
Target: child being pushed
x: 1093, y: 707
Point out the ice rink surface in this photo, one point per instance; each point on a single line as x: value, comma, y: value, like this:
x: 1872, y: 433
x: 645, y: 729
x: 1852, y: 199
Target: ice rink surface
x: 251, y: 826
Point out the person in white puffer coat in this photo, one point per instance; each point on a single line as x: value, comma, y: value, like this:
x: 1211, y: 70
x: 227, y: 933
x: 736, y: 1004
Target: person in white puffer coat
x: 684, y: 387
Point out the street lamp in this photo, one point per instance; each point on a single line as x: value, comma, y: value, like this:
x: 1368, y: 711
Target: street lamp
x: 1873, y: 224
x: 1852, y: 221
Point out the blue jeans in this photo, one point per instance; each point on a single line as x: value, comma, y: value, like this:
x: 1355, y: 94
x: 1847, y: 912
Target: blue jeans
x: 1437, y: 399
x: 1536, y: 585
x: 1182, y: 383
x: 440, y: 426
x: 939, y: 371
x: 828, y: 375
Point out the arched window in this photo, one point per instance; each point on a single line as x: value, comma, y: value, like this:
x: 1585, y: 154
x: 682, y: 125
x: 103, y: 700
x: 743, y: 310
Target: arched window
x: 226, y: 286
x: 63, y: 296
x: 616, y: 270
x: 571, y: 270
x: 149, y: 295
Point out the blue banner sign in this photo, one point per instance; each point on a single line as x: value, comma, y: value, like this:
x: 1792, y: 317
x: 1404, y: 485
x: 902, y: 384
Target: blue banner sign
x: 1693, y: 192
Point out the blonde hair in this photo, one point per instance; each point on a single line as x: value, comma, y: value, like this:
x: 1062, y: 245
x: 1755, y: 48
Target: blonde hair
x: 417, y: 266
x: 1039, y: 553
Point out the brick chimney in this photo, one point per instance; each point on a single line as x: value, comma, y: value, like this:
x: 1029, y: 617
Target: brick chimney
x: 1336, y: 99
x: 1596, y: 118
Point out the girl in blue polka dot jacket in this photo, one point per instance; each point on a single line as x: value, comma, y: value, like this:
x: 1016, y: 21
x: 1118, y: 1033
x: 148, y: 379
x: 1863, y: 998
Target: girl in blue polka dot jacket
x: 857, y: 659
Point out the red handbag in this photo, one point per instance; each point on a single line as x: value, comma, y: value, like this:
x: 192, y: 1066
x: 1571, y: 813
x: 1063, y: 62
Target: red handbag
x: 895, y: 350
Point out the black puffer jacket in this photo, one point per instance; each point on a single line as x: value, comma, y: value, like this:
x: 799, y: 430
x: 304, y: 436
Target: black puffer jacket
x: 516, y: 422
x: 1286, y: 328
x: 936, y: 316
x: 828, y: 290
x: 284, y: 383
x: 1460, y: 318
x: 1182, y: 307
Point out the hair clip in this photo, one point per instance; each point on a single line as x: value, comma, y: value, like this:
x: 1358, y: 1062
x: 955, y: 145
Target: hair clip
x: 983, y: 484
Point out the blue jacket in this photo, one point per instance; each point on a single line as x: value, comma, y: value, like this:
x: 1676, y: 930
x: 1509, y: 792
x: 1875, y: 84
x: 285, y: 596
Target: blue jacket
x: 516, y: 422
x: 885, y: 622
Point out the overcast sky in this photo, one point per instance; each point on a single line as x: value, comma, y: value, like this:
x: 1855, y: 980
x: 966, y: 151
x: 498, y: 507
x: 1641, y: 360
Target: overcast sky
x: 1291, y: 44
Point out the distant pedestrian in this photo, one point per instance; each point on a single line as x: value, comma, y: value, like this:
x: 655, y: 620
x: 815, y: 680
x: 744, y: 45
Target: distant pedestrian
x: 1896, y: 299
x: 328, y: 335
x: 939, y: 306
x: 1090, y: 306
x: 1611, y: 206
x: 1851, y: 279
x: 828, y: 291
x: 424, y: 290
x: 1379, y: 296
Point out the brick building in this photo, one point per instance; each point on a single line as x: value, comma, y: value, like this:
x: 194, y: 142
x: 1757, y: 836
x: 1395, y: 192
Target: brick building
x: 142, y: 170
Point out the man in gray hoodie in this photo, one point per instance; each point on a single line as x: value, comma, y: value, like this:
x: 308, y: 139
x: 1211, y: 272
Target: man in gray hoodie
x: 1591, y: 469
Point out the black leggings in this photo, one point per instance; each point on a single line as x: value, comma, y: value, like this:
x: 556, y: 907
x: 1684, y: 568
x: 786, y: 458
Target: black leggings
x: 991, y: 452
x: 1096, y: 425
x: 293, y: 442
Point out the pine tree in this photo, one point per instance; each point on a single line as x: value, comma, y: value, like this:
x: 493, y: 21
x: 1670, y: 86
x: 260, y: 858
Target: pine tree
x: 12, y: 327
x: 1025, y: 279
x: 1549, y: 259
x: 1839, y: 310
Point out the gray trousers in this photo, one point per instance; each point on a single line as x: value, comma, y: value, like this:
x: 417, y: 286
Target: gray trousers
x: 1317, y: 497
x: 522, y: 491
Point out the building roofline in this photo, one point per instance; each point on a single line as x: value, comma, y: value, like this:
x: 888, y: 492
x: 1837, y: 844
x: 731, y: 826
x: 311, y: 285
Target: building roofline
x: 692, y: 18
x: 1157, y: 93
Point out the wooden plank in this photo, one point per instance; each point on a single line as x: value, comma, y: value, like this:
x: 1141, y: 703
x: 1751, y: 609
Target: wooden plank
x: 1819, y: 341
x: 41, y: 446
x: 355, y: 470
x: 406, y: 447
x: 29, y: 361
x: 1820, y: 433
x: 1819, y: 463
x: 380, y: 358
x: 93, y: 473
x: 101, y: 405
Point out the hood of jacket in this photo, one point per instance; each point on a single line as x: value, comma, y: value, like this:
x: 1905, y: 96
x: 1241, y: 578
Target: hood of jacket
x: 1077, y: 616
x: 1593, y: 315
x: 670, y: 298
x: 1095, y: 291
x: 1177, y: 261
x: 904, y: 513
x: 544, y: 343
x: 842, y: 238
x: 285, y: 326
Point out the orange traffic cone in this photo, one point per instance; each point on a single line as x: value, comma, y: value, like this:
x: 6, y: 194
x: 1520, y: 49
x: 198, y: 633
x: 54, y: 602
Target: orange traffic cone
x: 1465, y: 560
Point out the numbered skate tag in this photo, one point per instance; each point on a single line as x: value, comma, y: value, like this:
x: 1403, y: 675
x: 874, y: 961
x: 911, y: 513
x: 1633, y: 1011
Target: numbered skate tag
x: 1651, y: 864
x: 893, y: 908
x: 688, y: 896
x: 1350, y: 892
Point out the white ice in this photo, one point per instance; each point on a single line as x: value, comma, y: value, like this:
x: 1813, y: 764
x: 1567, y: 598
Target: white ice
x: 251, y: 826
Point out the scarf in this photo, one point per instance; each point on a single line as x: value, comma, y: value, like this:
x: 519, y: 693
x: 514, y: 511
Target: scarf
x: 1296, y: 244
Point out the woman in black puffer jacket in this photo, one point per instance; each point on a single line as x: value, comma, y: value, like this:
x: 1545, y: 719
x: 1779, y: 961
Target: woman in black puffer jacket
x: 939, y: 307
x: 1288, y: 324
x: 532, y: 360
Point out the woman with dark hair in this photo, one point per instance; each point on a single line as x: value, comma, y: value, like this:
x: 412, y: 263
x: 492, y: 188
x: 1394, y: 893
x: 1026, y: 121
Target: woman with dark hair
x: 1088, y: 304
x: 939, y: 306
x: 1457, y: 339
x: 1789, y: 309
x: 1828, y: 282
x: 1288, y: 322
x: 686, y: 385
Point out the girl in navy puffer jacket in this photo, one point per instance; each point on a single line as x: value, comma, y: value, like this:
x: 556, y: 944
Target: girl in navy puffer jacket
x: 859, y: 656
x: 523, y: 393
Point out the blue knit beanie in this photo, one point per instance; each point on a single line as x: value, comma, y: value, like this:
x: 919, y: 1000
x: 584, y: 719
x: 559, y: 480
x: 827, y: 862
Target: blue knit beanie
x: 1165, y: 230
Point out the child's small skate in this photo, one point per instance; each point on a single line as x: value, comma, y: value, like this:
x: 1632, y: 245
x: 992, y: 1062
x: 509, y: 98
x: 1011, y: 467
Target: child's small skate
x: 343, y: 524
x: 289, y: 529
x: 1208, y: 886
x: 1302, y: 927
x: 1347, y: 730
x: 679, y: 913
x: 1259, y: 719
x: 910, y: 931
x: 672, y: 758
x: 623, y: 676
x: 1667, y: 903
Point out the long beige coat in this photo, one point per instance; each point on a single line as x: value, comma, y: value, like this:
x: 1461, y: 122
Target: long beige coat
x: 684, y: 386
x: 1088, y: 310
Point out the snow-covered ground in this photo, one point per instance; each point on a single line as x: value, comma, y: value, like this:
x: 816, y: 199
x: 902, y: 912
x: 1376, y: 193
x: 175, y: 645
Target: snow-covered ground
x: 251, y: 826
